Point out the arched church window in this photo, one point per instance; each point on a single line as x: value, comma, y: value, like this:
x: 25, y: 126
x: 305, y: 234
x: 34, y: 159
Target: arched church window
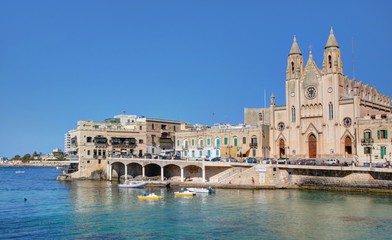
x: 293, y: 118
x: 292, y: 67
x: 330, y: 108
x: 329, y: 61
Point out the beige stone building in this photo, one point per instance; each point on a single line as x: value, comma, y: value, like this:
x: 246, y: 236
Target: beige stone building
x: 222, y: 140
x: 320, y: 118
x: 121, y: 136
x: 374, y: 142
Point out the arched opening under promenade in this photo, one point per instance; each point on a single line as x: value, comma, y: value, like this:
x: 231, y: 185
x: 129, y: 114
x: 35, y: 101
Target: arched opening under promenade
x: 134, y: 170
x: 152, y: 170
x: 118, y: 171
x: 193, y: 172
x: 172, y: 171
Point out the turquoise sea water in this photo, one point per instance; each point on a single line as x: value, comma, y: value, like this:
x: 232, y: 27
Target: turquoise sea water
x: 100, y: 210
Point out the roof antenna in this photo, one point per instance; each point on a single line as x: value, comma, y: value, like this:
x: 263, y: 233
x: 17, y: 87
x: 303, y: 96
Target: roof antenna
x: 353, y: 57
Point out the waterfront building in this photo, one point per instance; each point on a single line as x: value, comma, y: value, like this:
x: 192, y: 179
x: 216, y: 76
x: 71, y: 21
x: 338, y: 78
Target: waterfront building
x: 222, y: 140
x: 121, y: 136
x: 323, y: 107
x: 375, y: 144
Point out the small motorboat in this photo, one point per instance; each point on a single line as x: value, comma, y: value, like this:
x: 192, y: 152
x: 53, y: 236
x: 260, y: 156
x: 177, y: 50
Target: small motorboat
x: 184, y: 193
x: 132, y: 184
x: 149, y: 196
x: 19, y: 172
x: 202, y: 190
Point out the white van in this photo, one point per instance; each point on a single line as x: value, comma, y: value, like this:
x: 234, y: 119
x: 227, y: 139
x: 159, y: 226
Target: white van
x: 331, y: 161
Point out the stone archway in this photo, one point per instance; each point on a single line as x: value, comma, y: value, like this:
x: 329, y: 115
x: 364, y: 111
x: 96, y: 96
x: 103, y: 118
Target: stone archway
x: 282, y: 152
x: 312, y: 146
x: 348, y: 152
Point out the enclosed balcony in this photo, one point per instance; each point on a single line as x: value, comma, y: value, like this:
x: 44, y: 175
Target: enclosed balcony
x: 124, y: 142
x: 166, y: 143
x: 100, y: 141
x: 253, y: 144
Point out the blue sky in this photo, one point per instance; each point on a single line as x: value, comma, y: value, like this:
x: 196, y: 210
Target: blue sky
x: 193, y: 61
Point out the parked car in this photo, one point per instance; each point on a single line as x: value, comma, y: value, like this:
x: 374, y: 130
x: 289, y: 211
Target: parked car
x: 331, y: 161
x: 229, y: 159
x: 268, y: 161
x: 310, y: 162
x: 251, y: 160
x: 215, y: 159
x: 148, y: 155
x: 282, y: 160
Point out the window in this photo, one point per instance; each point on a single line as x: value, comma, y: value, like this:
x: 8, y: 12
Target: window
x: 174, y: 128
x: 217, y: 153
x: 244, y: 140
x: 140, y: 128
x: 225, y: 141
x: 88, y: 152
x: 201, y: 143
x: 329, y: 61
x: 200, y: 153
x: 293, y: 114
x: 208, y: 141
x: 95, y: 152
x: 383, y: 151
x: 260, y: 116
x: 163, y: 127
x: 292, y: 67
x: 193, y: 142
x: 193, y: 153
x: 140, y: 140
x: 235, y: 142
x: 330, y: 108
x: 382, y: 134
x: 89, y: 139
x: 178, y: 143
x: 152, y: 126
x: 208, y: 153
x: 217, y: 142
x: 367, y: 150
x: 186, y: 144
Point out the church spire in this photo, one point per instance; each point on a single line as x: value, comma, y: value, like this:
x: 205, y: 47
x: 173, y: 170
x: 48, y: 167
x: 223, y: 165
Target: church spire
x: 331, y: 40
x: 294, y: 47
x: 294, y: 62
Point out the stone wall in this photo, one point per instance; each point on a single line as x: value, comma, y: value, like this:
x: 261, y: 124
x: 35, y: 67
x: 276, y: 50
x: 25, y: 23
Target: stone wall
x: 305, y: 178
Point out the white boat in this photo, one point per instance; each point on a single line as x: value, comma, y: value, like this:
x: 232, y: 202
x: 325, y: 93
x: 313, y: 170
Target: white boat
x: 18, y: 172
x: 184, y: 193
x: 132, y: 184
x: 202, y: 190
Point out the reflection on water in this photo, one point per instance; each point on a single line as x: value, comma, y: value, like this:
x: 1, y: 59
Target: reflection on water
x: 101, y: 210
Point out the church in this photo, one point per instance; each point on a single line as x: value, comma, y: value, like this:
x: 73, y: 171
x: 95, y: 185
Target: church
x: 323, y: 106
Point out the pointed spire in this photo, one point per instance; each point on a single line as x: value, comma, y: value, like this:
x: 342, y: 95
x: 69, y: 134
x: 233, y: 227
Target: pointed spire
x: 331, y: 40
x: 310, y: 56
x: 272, y: 99
x: 294, y: 47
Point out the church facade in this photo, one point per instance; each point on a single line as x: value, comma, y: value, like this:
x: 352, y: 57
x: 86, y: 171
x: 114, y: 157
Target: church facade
x: 323, y: 106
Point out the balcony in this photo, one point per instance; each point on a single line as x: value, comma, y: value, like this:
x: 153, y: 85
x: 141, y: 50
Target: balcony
x: 200, y: 146
x: 124, y: 142
x: 253, y: 144
x: 185, y: 147
x: 367, y: 141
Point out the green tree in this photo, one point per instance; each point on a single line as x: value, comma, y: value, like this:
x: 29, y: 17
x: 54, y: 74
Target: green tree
x: 16, y: 157
x: 26, y: 157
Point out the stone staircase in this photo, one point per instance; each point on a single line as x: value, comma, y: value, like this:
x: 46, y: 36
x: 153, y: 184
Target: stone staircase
x: 219, y: 178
